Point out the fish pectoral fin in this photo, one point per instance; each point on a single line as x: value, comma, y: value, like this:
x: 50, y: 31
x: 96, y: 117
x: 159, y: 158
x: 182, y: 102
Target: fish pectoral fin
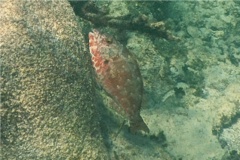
x: 119, y: 130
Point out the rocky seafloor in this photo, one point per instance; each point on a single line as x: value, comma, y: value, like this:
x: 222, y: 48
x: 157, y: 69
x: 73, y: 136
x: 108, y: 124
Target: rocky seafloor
x: 191, y: 78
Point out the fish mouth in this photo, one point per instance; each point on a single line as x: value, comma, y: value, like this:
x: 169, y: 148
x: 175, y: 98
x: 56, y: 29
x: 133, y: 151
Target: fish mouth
x: 98, y: 39
x: 94, y: 35
x: 94, y: 40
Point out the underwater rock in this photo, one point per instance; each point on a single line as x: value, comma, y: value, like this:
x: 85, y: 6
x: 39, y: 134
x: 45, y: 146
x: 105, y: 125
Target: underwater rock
x: 47, y: 106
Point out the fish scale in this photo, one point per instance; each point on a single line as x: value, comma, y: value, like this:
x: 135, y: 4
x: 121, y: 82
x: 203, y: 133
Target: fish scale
x: 118, y: 73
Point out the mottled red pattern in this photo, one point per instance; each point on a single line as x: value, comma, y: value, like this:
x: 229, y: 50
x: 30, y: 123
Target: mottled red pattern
x: 118, y: 73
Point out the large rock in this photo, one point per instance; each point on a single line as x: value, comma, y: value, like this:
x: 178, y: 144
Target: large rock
x: 47, y: 109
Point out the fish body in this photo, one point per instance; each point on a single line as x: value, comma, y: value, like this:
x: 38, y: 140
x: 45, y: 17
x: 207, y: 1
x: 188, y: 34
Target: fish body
x: 118, y: 73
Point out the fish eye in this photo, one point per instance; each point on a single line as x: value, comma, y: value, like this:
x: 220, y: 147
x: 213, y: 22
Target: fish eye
x: 106, y: 61
x: 109, y: 40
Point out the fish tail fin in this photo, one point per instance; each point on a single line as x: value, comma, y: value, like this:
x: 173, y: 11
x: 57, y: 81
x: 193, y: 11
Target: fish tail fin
x: 138, y: 124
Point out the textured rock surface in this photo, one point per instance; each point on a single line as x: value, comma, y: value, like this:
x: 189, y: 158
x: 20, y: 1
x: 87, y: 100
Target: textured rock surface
x: 47, y: 109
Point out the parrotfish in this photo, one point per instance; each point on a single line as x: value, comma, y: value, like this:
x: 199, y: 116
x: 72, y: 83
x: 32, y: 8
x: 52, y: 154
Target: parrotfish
x: 118, y: 73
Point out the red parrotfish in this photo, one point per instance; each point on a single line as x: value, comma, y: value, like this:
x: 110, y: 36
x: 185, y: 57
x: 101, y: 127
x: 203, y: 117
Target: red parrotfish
x: 119, y: 75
